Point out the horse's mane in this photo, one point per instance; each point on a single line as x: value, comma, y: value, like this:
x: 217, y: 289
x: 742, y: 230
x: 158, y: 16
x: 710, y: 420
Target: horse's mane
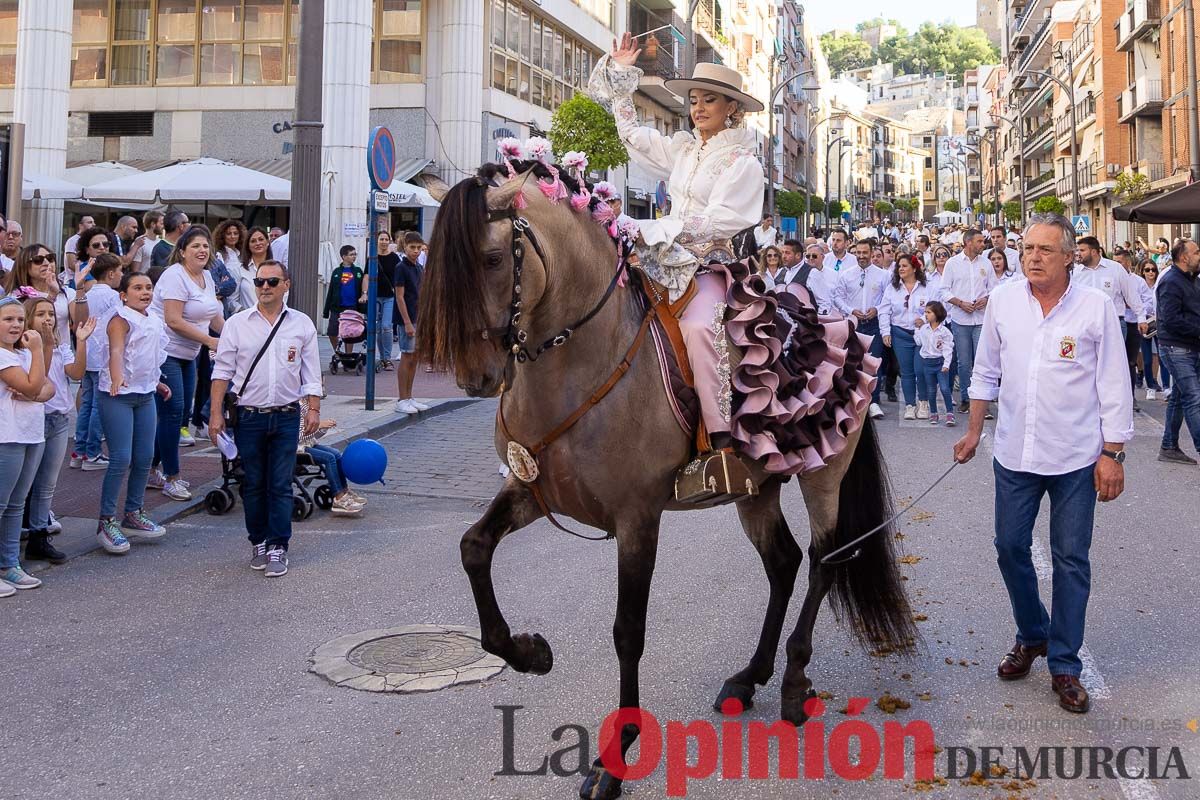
x: 450, y: 314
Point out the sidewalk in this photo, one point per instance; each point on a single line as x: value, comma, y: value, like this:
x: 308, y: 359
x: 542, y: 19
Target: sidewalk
x: 77, y: 498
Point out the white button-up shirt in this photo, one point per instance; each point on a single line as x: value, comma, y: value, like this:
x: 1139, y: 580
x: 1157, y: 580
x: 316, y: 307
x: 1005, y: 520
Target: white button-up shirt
x: 902, y: 309
x: 966, y: 280
x: 859, y: 289
x: 289, y: 370
x: 1111, y: 278
x: 1014, y: 259
x: 764, y: 238
x: 1065, y: 388
x: 837, y: 266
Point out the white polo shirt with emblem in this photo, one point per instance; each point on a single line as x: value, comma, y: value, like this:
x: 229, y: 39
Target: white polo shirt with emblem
x: 1062, y: 380
x: 968, y: 281
x: 1111, y: 278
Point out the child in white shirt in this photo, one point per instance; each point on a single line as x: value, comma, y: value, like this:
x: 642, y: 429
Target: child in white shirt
x: 937, y: 354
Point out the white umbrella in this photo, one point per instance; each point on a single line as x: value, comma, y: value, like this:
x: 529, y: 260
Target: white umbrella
x: 203, y: 180
x: 101, y: 171
x: 408, y: 195
x: 44, y: 187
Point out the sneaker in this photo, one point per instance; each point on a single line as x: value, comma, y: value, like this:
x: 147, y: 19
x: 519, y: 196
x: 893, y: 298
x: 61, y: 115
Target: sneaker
x: 346, y: 505
x: 1173, y: 455
x: 259, y: 559
x: 176, y: 490
x: 76, y: 460
x: 922, y: 409
x: 19, y: 578
x: 138, y: 524
x: 910, y: 412
x: 406, y: 407
x: 276, y: 562
x: 93, y: 464
x: 7, y: 589
x: 421, y: 406
x: 875, y: 411
x: 964, y: 407
x: 185, y: 437
x: 933, y: 419
x: 1151, y: 394
x: 358, y: 498
x: 111, y: 538
x: 55, y: 526
x: 1166, y: 393
x: 156, y: 479
x: 949, y: 420
x: 988, y: 414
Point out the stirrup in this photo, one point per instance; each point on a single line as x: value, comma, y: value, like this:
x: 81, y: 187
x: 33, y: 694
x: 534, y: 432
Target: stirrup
x: 714, y: 478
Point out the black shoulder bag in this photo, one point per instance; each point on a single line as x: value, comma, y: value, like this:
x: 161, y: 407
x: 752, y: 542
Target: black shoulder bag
x: 229, y: 404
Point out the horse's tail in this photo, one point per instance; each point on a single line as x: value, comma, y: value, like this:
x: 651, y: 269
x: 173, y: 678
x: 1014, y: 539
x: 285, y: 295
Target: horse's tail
x: 867, y: 592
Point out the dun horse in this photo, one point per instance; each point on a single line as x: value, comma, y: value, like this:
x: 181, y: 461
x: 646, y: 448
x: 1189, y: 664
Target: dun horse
x: 614, y: 468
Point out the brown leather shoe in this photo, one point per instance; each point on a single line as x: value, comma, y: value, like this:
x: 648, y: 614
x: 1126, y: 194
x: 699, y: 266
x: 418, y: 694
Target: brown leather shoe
x: 1019, y: 661
x: 1071, y: 694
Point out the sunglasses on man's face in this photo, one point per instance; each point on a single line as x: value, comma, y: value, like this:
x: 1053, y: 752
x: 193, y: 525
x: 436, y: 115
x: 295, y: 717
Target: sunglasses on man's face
x: 812, y: 256
x: 39, y: 260
x: 272, y: 282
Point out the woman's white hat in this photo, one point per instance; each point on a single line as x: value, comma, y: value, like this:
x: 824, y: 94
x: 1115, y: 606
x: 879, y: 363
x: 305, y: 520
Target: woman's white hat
x: 717, y: 78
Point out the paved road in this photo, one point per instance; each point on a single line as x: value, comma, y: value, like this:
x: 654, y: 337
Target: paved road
x: 176, y: 672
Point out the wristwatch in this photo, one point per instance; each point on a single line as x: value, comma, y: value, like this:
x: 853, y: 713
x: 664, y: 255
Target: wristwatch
x: 1116, y: 455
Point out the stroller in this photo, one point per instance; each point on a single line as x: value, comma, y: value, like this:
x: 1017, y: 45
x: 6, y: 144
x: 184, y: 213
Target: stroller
x: 352, y: 329
x: 305, y: 497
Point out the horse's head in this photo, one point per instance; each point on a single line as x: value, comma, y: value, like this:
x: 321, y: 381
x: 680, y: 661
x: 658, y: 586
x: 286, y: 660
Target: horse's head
x: 469, y: 310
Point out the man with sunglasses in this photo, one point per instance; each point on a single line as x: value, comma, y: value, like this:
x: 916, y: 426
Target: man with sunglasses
x: 12, y: 243
x: 268, y: 425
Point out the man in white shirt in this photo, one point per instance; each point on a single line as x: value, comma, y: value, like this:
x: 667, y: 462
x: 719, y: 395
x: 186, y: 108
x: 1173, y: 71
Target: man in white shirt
x: 152, y: 221
x: 1053, y: 355
x: 966, y: 282
x: 279, y: 248
x: 72, y: 245
x: 13, y: 241
x: 999, y: 242
x: 1091, y: 269
x: 838, y: 258
x: 268, y: 408
x: 856, y: 293
x: 765, y: 234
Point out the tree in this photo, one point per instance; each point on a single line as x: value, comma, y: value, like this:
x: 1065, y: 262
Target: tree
x: 883, y: 208
x: 875, y: 22
x: 846, y: 51
x: 1012, y: 211
x: 1132, y: 186
x: 582, y: 124
x: 986, y: 206
x: 1049, y: 205
x: 944, y: 48
x: 953, y: 206
x: 789, y: 204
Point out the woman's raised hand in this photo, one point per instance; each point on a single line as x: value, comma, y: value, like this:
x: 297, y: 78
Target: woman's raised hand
x: 625, y: 52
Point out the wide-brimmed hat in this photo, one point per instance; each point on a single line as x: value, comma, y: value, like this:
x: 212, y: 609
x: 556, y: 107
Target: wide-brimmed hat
x: 717, y: 78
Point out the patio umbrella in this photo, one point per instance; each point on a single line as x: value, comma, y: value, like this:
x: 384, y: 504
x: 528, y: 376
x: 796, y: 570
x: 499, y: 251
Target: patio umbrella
x: 205, y: 180
x: 1181, y: 206
x: 101, y: 171
x: 43, y: 187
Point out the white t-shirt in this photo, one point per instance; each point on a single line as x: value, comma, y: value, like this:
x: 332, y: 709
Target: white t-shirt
x: 200, y: 307
x: 103, y: 301
x: 21, y: 421
x: 145, y: 352
x: 279, y: 251
x: 63, y: 401
x: 142, y: 260
x: 6, y: 263
x: 69, y: 248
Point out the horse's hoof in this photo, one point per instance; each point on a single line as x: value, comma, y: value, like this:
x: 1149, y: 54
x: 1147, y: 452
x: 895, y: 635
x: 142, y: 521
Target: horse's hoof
x: 531, y: 653
x: 792, y: 708
x: 600, y: 785
x: 735, y: 691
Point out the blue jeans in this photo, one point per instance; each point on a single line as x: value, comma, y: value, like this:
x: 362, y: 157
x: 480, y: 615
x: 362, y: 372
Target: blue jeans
x: 966, y: 341
x: 1148, y: 365
x: 180, y: 376
x: 1185, y: 398
x: 1072, y: 508
x: 266, y: 444
x: 908, y: 356
x: 331, y: 460
x: 934, y: 379
x: 58, y: 429
x: 18, y: 464
x: 870, y: 327
x: 129, y: 423
x: 383, y: 326
x: 87, y: 423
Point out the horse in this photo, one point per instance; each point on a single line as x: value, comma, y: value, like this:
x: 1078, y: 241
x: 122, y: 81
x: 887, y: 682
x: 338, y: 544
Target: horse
x: 508, y: 267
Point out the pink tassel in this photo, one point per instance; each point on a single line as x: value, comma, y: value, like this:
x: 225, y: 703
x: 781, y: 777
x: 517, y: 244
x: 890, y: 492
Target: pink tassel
x: 603, y: 214
x: 554, y: 190
x: 519, y: 201
x: 581, y: 199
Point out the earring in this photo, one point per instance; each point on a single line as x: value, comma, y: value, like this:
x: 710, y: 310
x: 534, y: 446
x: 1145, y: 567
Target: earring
x: 729, y: 122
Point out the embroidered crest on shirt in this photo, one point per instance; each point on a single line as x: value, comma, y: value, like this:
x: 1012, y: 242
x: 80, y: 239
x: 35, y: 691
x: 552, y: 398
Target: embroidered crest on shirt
x: 292, y: 353
x: 1066, y: 348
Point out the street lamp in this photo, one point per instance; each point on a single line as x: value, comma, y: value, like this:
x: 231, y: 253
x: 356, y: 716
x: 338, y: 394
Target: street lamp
x: 775, y: 89
x: 994, y: 130
x: 838, y: 140
x: 1019, y: 126
x: 1069, y: 88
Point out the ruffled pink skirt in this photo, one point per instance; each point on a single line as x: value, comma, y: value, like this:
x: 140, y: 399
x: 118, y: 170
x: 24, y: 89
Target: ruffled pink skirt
x: 804, y: 381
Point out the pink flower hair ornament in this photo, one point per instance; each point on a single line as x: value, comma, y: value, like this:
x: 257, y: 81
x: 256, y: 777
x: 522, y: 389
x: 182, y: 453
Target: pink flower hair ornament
x: 605, y: 191
x: 26, y: 293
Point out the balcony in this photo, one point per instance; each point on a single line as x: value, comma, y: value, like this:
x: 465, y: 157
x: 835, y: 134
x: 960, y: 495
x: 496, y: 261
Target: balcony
x: 1085, y: 112
x: 709, y: 22
x: 1143, y: 99
x: 1141, y: 17
x: 660, y: 58
x: 1038, y: 139
x: 1022, y: 26
x: 1039, y: 37
x: 1081, y: 42
x: 1039, y: 184
x: 1154, y: 170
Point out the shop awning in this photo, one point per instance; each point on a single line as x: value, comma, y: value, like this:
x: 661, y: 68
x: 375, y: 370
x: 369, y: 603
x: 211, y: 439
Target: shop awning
x: 1181, y: 206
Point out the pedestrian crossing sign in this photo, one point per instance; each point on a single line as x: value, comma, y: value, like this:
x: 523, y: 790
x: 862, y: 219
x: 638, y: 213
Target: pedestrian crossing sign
x: 1082, y: 223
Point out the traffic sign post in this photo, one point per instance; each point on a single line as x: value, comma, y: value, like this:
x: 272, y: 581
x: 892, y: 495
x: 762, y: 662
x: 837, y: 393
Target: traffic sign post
x: 381, y: 168
x: 1082, y: 223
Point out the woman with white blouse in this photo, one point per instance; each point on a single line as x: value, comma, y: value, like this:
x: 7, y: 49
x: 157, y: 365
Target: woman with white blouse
x: 999, y: 262
x: 256, y: 250
x: 230, y: 240
x: 901, y: 312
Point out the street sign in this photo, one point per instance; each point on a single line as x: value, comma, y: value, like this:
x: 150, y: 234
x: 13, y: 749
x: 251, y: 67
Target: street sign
x: 1082, y: 223
x: 788, y: 225
x: 381, y: 202
x: 381, y: 158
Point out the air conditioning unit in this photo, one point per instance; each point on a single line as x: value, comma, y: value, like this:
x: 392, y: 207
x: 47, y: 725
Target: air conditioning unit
x: 1114, y: 169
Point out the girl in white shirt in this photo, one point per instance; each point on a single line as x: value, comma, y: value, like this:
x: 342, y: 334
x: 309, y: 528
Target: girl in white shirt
x: 937, y: 359
x: 999, y: 261
x: 903, y: 305
x: 41, y: 315
x: 23, y: 389
x: 135, y: 350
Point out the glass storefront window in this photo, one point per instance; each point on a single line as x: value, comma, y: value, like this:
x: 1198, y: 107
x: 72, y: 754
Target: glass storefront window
x: 264, y: 19
x: 131, y: 65
x: 398, y: 48
x: 176, y: 20
x: 8, y: 42
x: 552, y: 62
x: 176, y: 65
x: 220, y: 64
x: 398, y: 58
x: 262, y: 64
x: 131, y: 21
x: 90, y: 22
x: 512, y: 29
x: 498, y: 23
x: 497, y: 71
x: 537, y: 42
x: 221, y: 20
x: 400, y: 17
x: 89, y: 66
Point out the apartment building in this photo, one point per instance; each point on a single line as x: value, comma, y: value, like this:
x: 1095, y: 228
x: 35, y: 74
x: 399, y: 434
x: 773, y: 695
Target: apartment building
x: 799, y: 125
x: 851, y: 162
x: 896, y: 167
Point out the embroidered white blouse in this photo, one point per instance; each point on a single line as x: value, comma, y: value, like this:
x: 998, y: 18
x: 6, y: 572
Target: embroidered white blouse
x: 716, y: 187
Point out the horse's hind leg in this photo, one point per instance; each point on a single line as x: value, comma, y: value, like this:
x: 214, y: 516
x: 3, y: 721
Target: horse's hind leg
x: 762, y: 519
x: 511, y: 510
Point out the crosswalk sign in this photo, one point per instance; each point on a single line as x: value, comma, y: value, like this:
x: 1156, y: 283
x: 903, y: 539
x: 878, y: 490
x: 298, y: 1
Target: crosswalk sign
x: 1082, y: 223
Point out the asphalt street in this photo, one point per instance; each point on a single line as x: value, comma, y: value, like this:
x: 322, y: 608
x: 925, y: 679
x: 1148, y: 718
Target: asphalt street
x: 177, y: 672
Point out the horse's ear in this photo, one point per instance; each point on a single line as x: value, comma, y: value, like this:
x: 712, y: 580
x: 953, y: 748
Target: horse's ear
x: 505, y: 195
x: 434, y: 185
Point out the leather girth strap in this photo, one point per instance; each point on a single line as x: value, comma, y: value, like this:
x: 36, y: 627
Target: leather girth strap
x: 668, y: 315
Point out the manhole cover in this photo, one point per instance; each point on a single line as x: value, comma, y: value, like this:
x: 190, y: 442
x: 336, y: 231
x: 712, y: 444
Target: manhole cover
x: 411, y: 658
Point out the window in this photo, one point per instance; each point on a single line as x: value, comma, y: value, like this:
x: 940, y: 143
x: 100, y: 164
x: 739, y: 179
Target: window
x: 8, y: 42
x: 533, y: 59
x: 399, y: 27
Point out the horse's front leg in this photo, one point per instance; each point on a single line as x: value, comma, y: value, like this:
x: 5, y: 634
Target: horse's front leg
x: 511, y: 510
x: 637, y: 548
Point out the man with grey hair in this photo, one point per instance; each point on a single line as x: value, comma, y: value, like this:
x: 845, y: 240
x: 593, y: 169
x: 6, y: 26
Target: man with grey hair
x: 1051, y: 352
x: 11, y: 244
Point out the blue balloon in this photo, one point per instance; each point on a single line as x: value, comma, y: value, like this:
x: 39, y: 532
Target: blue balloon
x: 364, y: 462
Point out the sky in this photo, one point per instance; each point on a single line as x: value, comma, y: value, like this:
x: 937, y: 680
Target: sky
x: 823, y: 15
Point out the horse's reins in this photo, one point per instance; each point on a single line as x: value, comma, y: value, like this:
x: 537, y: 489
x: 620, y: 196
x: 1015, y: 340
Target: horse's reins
x: 513, y: 339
